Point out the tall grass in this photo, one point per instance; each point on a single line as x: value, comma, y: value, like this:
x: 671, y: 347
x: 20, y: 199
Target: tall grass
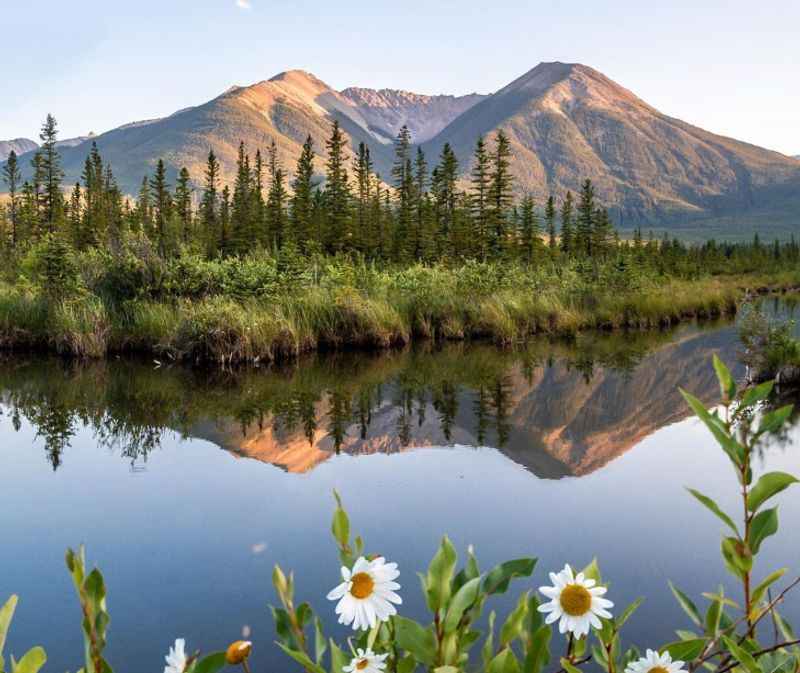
x: 370, y: 310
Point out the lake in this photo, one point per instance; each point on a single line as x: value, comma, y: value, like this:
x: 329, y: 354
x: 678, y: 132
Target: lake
x: 187, y: 486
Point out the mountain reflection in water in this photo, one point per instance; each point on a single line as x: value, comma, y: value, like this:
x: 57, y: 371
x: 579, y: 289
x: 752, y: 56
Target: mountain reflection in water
x: 557, y: 409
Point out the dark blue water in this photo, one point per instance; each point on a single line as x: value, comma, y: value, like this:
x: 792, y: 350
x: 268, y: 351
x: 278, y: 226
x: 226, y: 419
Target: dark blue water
x: 187, y: 486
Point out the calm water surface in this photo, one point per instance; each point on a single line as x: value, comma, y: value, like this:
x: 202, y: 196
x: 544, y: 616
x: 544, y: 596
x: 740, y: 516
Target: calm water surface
x: 188, y: 486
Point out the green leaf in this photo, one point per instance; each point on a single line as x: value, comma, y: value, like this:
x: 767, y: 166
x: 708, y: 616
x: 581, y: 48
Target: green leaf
x: 415, y: 639
x: 713, y: 616
x: 340, y: 526
x: 592, y: 571
x: 6, y: 615
x: 514, y: 622
x: 768, y: 485
x: 685, y: 650
x: 734, y: 450
x: 769, y: 580
x: 756, y: 394
x: 633, y: 607
x: 500, y: 576
x: 446, y: 669
x: 320, y: 644
x: 763, y: 525
x: 487, y: 651
x: 568, y: 666
x: 741, y: 655
x: 210, y: 664
x: 727, y: 386
x: 737, y: 556
x: 463, y: 599
x: 686, y: 603
x: 504, y: 662
x: 537, y: 655
x: 339, y: 659
x: 302, y: 659
x: 773, y: 421
x: 440, y: 575
x: 33, y: 660
x: 713, y: 507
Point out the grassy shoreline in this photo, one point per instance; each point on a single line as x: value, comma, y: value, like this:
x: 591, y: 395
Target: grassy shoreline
x: 219, y: 329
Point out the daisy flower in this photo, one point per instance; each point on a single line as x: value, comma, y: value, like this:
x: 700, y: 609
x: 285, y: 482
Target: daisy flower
x: 176, y: 659
x: 366, y: 662
x: 655, y: 663
x: 367, y: 593
x: 576, y: 601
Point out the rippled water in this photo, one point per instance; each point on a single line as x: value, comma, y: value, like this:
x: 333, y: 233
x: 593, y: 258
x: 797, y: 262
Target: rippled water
x: 187, y: 486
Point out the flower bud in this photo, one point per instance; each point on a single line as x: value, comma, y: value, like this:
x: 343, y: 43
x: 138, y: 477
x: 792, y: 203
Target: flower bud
x: 238, y: 652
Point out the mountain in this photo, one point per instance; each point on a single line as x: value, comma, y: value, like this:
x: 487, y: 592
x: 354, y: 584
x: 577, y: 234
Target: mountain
x: 18, y: 145
x: 388, y: 110
x: 566, y: 122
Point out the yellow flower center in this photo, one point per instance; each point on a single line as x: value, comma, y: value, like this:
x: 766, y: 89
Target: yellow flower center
x: 362, y: 585
x: 361, y: 665
x: 658, y: 669
x: 576, y: 600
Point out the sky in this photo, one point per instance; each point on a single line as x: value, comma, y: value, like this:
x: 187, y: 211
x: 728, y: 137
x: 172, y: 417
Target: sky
x: 729, y: 66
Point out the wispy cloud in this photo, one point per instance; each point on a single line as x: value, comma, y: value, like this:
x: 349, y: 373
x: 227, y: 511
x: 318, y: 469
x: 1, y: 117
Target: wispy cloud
x: 244, y: 4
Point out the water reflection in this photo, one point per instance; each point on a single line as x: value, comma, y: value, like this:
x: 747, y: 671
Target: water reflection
x: 558, y: 409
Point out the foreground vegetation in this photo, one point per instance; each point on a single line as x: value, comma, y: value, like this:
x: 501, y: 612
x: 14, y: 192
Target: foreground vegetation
x: 262, y: 273
x: 728, y: 637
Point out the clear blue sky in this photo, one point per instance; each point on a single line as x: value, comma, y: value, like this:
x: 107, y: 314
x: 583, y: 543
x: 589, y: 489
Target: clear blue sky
x: 730, y: 66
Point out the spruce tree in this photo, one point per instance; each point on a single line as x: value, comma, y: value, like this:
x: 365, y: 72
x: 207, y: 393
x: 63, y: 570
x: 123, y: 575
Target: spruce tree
x: 501, y: 196
x: 529, y: 235
x: 12, y: 177
x: 225, y: 242
x: 183, y: 205
x: 302, y: 197
x: 422, y: 240
x: 550, y: 223
x: 52, y: 200
x: 481, y: 184
x: 337, y: 193
x: 362, y: 168
x: 586, y: 220
x: 209, y: 204
x: 567, y: 226
x: 243, y: 234
x: 276, y: 199
x: 403, y: 179
x: 443, y: 187
x: 162, y: 207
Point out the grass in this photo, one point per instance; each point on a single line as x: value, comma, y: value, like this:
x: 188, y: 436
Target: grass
x: 223, y: 330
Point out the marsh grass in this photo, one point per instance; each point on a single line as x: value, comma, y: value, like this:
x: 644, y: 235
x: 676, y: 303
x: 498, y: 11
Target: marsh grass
x: 372, y: 310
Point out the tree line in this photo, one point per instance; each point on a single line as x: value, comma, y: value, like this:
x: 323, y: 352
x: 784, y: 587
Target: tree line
x: 418, y: 214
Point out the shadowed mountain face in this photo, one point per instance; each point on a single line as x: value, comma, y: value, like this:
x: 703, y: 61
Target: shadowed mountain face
x: 557, y: 410
x: 566, y: 122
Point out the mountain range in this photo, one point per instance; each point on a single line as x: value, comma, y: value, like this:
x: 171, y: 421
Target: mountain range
x: 565, y: 121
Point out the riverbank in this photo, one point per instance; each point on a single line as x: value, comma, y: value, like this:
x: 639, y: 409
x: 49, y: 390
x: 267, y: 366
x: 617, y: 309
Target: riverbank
x: 220, y: 329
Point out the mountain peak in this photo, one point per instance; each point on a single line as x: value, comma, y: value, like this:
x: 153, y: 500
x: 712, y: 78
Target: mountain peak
x: 300, y: 78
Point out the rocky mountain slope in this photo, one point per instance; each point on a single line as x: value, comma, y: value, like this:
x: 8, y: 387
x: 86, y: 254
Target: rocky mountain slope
x: 566, y: 122
x: 18, y: 145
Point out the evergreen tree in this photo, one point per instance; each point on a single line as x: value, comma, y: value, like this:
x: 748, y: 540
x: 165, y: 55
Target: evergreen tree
x: 362, y: 168
x: 567, y: 231
x: 209, y: 202
x: 586, y: 220
x: 481, y: 184
x: 500, y: 194
x: 403, y: 177
x: 243, y: 232
x: 183, y: 204
x: 302, y: 197
x: 276, y: 199
x: 225, y: 242
x: 51, y: 175
x: 144, y: 208
x: 530, y: 231
x: 12, y: 177
x: 443, y: 187
x: 550, y: 223
x: 162, y: 207
x: 337, y: 194
x: 422, y: 242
